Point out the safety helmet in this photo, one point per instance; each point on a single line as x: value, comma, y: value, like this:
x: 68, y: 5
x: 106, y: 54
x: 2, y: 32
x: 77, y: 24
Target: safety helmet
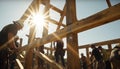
x: 19, y: 23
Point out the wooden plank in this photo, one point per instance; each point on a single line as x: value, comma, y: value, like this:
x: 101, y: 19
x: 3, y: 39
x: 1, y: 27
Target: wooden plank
x: 62, y: 17
x: 55, y: 9
x: 108, y: 42
x: 101, y: 43
x: 52, y: 63
x: 55, y: 22
x: 29, y: 51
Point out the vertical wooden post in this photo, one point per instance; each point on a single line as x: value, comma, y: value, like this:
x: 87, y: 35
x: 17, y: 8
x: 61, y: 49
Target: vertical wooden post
x: 29, y: 52
x: 109, y: 47
x: 108, y: 3
x: 45, y: 27
x: 72, y: 42
x: 87, y: 52
x: 51, y: 46
x: 46, y: 13
x: 21, y: 40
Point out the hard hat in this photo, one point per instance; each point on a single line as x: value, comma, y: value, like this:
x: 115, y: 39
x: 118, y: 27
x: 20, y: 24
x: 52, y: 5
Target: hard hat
x: 19, y: 23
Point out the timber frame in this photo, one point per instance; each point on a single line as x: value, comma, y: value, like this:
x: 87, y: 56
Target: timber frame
x: 70, y: 30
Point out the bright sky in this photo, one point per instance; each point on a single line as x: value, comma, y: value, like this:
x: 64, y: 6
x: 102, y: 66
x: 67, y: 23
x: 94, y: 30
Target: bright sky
x: 11, y: 10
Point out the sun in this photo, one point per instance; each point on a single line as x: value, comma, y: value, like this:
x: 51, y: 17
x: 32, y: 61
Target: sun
x: 38, y: 19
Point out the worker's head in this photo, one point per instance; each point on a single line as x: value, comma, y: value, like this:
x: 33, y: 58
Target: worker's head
x: 100, y: 48
x: 92, y: 45
x: 19, y: 24
x: 82, y: 54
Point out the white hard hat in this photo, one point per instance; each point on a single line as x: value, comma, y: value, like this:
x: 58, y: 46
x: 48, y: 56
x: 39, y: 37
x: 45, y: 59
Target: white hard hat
x: 19, y: 23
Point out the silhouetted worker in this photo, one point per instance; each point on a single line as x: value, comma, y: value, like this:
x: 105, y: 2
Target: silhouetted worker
x: 40, y: 61
x: 92, y: 61
x: 7, y: 42
x: 106, y: 57
x: 115, y: 57
x: 98, y: 57
x: 84, y: 61
x: 59, y: 52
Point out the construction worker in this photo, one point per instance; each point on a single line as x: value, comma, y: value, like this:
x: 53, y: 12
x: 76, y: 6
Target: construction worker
x: 7, y: 35
x: 98, y: 57
x: 106, y: 57
x: 59, y: 52
x: 84, y: 62
x: 115, y: 57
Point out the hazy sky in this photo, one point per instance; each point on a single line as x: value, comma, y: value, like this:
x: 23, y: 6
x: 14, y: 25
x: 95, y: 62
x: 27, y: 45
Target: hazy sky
x: 11, y: 10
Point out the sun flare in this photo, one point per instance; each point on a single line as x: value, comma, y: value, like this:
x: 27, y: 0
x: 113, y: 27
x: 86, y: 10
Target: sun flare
x: 38, y: 19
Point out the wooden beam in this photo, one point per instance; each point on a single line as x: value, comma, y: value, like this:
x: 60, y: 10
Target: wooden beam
x: 108, y: 42
x: 72, y: 38
x: 46, y: 11
x: 87, y: 52
x: 52, y: 63
x: 101, y: 43
x: 29, y: 51
x: 109, y: 47
x: 108, y: 3
x: 55, y: 22
x: 55, y: 9
x: 62, y: 17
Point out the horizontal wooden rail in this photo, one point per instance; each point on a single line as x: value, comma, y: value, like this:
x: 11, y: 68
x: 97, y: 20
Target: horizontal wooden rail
x: 101, y: 43
x: 114, y: 41
x: 55, y: 22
